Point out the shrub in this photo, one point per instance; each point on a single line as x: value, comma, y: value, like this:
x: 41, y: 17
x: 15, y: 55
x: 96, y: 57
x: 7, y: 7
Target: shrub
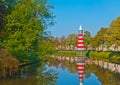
x: 8, y: 63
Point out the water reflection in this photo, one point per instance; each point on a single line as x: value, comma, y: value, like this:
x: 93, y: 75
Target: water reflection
x: 111, y: 66
x: 106, y: 65
x: 63, y: 71
x: 32, y: 75
x: 106, y: 73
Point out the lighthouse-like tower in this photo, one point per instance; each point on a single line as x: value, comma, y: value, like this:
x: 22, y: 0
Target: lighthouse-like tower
x: 80, y: 39
x: 81, y: 61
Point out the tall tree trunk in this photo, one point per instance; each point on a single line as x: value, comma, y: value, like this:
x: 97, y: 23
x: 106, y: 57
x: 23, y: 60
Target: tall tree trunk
x: 1, y: 14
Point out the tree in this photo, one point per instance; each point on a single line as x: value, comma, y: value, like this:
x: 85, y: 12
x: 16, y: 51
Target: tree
x: 56, y: 41
x: 25, y: 24
x: 101, y: 37
x: 72, y: 40
x: 62, y: 40
x: 1, y: 11
x: 108, y: 41
x: 5, y: 9
x: 115, y: 32
x: 87, y: 37
x: 87, y: 34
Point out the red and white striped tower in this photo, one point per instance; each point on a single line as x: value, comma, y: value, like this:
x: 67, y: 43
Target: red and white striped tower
x: 80, y: 39
x: 81, y: 48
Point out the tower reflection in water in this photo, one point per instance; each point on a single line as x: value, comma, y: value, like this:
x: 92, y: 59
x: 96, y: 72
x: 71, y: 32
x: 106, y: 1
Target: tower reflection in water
x: 80, y: 67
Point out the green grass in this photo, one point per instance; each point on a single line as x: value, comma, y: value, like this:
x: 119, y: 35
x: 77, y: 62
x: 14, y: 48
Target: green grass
x: 106, y: 56
x: 71, y: 53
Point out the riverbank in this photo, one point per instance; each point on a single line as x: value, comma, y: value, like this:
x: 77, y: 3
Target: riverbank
x: 105, y: 56
x: 72, y: 53
x: 10, y: 64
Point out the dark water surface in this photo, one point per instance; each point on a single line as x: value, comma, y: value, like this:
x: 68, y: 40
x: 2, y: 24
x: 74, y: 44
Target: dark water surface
x: 61, y: 72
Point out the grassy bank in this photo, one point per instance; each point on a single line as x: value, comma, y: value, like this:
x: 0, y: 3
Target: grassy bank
x: 106, y: 56
x: 72, y: 53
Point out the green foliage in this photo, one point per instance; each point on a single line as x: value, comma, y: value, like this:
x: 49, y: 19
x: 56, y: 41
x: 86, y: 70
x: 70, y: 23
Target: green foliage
x: 108, y: 40
x: 100, y: 38
x: 106, y: 56
x: 93, y: 54
x: 87, y: 54
x: 24, y: 26
x: 115, y: 57
x: 100, y: 55
x: 28, y: 59
x: 46, y: 47
x: 87, y: 34
x: 87, y: 37
x: 108, y: 36
x: 115, y: 30
x: 71, y: 40
x: 66, y: 53
x: 1, y: 11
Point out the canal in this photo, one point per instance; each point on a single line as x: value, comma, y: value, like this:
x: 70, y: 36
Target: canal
x: 61, y: 71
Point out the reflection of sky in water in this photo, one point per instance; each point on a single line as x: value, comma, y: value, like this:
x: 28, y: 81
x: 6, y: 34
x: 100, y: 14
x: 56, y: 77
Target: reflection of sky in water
x: 92, y: 80
x: 67, y: 78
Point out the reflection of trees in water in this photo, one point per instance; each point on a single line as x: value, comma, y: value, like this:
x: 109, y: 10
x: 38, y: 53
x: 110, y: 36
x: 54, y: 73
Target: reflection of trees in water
x: 72, y: 67
x: 38, y: 74
x: 47, y: 78
x: 104, y: 75
x: 8, y: 63
x: 32, y: 75
x: 87, y: 72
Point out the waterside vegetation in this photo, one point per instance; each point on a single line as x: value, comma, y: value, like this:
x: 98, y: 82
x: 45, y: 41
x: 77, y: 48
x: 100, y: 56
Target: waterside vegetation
x: 23, y: 32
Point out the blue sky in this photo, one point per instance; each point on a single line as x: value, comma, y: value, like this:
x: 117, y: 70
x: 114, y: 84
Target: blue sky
x: 91, y: 14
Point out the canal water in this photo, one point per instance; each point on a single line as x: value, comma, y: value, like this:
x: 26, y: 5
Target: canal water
x: 64, y: 72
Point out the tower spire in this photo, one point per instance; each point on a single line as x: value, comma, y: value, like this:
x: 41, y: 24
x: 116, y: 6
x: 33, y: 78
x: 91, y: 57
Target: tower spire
x: 80, y: 28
